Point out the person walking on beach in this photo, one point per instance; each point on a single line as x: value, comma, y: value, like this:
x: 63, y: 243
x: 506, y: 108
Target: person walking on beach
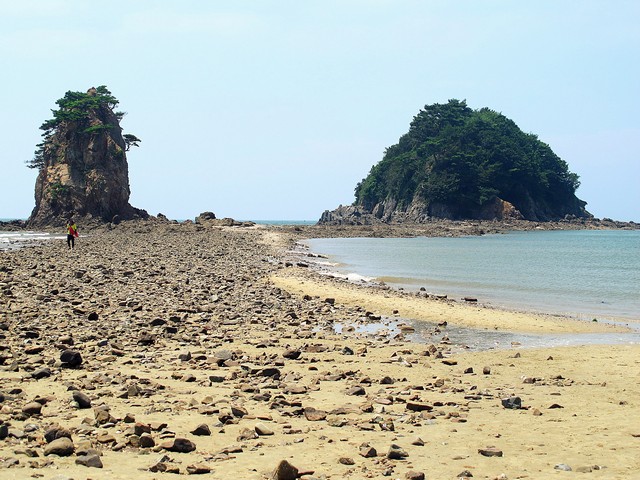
x: 72, y: 234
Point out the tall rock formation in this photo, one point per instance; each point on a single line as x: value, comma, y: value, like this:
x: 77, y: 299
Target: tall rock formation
x: 82, y: 162
x: 459, y: 163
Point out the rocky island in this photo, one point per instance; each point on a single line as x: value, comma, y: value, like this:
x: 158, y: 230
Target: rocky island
x: 82, y: 163
x: 458, y: 163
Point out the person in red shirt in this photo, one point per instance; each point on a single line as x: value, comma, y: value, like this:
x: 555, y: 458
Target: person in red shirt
x: 72, y: 233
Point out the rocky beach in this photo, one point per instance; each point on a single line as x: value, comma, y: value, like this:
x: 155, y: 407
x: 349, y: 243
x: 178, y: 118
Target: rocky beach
x: 157, y: 349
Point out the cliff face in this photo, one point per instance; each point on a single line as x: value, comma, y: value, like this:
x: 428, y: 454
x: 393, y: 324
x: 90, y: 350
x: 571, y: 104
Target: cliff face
x: 83, y: 170
x: 458, y: 163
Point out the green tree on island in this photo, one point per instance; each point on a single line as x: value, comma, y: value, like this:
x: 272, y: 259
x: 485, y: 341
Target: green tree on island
x: 461, y: 159
x: 80, y: 109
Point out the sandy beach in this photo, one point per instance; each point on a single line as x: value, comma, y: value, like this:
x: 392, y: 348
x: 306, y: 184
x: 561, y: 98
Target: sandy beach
x: 156, y: 348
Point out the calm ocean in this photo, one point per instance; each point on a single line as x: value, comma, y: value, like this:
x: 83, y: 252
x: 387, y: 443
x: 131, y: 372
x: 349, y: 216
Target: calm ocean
x: 585, y: 273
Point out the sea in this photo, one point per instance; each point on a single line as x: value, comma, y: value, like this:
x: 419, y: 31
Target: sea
x: 587, y: 274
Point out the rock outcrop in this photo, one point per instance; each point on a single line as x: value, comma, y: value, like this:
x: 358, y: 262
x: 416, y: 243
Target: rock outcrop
x: 457, y: 163
x: 83, y: 170
x: 417, y: 212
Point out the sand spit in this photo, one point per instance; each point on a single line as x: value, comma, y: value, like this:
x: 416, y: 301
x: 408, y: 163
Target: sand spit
x: 160, y: 349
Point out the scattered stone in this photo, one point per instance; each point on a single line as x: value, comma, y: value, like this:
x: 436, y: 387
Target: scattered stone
x: 418, y: 407
x: 346, y: 461
x: 198, y: 469
x: 314, y: 415
x: 486, y: 370
x: 396, y: 452
x: 263, y: 430
x: 63, y: 447
x: 32, y: 408
x: 411, y: 475
x: 490, y: 452
x: 146, y: 441
x: 82, y: 399
x: 201, y: 430
x: 367, y: 451
x: 180, y: 445
x: 356, y: 390
x: 285, y: 471
x: 44, y: 372
x: 514, y: 403
x: 417, y: 442
x: 71, y: 358
x: 92, y: 460
x: 54, y: 432
x: 465, y: 474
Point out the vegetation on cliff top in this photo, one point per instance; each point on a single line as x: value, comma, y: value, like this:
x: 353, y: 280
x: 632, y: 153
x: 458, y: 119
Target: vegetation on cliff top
x: 462, y: 159
x: 80, y: 108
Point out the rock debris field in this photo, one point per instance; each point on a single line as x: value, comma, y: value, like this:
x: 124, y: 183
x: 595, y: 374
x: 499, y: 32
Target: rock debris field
x: 163, y: 350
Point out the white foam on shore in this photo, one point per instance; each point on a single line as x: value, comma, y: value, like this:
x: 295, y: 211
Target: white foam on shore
x: 15, y: 240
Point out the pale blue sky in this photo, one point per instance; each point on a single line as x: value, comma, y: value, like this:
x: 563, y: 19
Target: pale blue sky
x: 276, y: 109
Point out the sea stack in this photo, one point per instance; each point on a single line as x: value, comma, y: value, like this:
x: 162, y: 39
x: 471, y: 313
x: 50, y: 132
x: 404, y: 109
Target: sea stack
x: 82, y: 162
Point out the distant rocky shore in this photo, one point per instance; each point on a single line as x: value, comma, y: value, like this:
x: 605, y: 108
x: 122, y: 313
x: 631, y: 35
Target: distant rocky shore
x: 433, y: 227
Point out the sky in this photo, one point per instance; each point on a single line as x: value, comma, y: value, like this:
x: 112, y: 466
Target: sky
x: 264, y: 110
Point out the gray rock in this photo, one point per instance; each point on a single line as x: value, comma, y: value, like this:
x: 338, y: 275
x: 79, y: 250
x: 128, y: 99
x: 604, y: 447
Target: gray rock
x: 71, y: 358
x: 563, y: 466
x: 44, y: 372
x: 396, y: 452
x: 514, y: 403
x: 91, y: 460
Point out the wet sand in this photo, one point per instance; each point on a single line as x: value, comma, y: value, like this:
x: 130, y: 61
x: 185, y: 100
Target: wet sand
x: 184, y: 326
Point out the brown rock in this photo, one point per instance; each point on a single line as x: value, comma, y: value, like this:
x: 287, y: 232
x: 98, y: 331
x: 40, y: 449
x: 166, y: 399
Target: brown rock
x: 32, y: 408
x: 180, y: 445
x: 198, y: 469
x: 490, y: 452
x: 411, y: 475
x: 263, y: 430
x: 63, y: 447
x: 54, y: 432
x: 201, y: 430
x: 367, y: 451
x: 92, y: 460
x: 314, y: 415
x: 285, y: 471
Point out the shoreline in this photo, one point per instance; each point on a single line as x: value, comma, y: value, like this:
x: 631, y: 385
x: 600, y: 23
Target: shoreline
x: 185, y: 341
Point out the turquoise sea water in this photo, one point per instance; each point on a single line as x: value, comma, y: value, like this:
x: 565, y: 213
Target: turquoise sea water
x: 585, y: 273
